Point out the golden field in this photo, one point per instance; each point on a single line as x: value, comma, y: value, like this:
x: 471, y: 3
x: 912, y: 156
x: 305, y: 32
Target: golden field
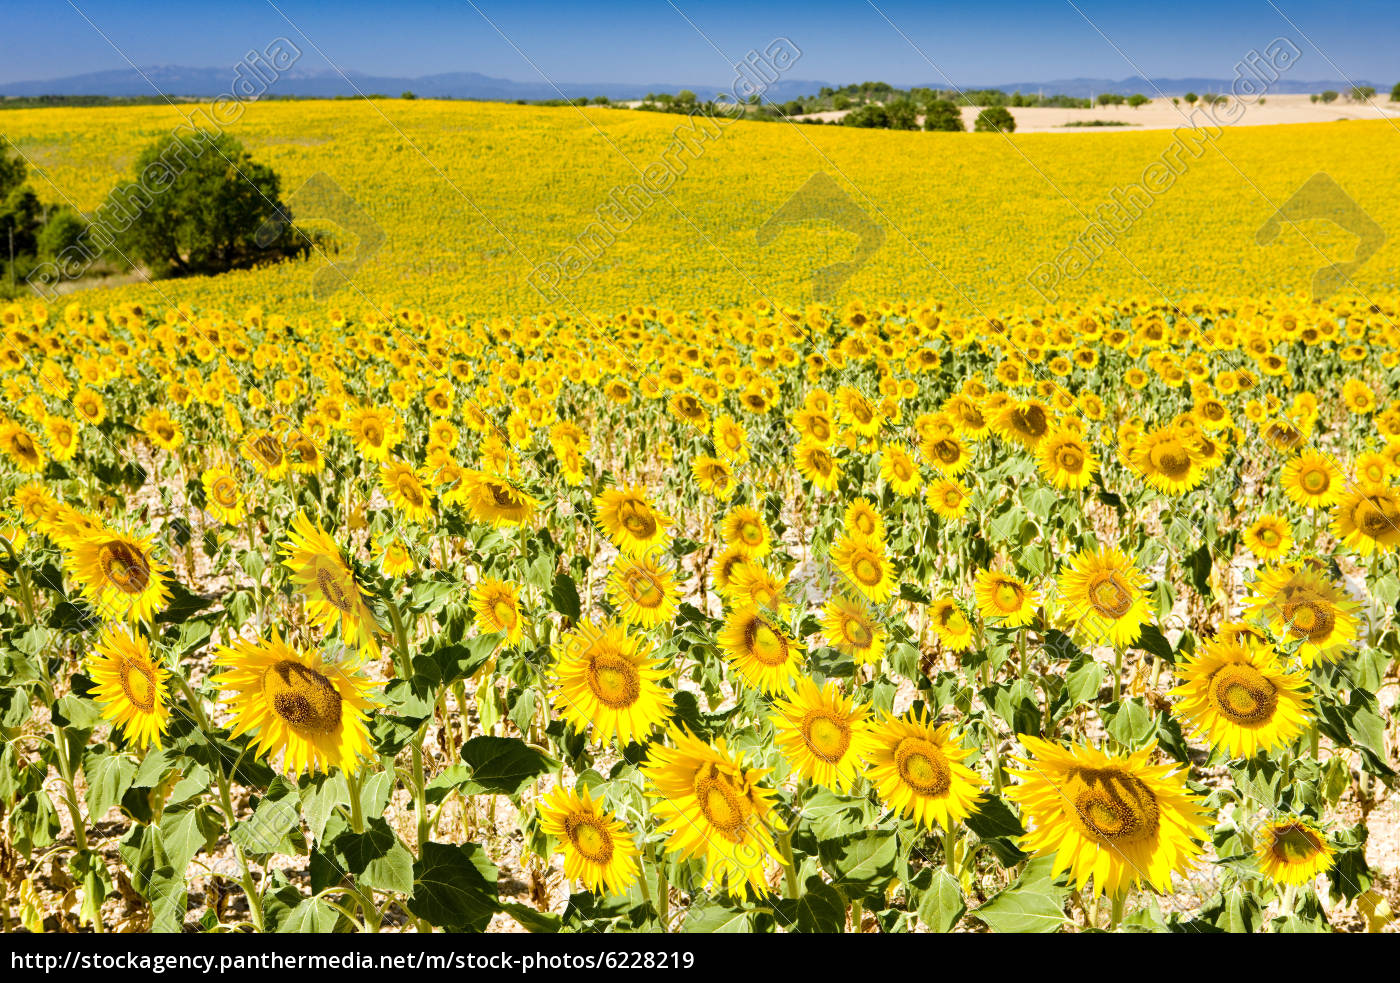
x: 471, y: 197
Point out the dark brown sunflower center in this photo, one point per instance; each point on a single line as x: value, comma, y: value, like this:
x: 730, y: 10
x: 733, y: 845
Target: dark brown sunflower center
x: 124, y: 567
x: 303, y: 697
x: 1308, y: 616
x: 1172, y: 460
x: 225, y: 492
x: 614, y: 681
x: 1294, y: 844
x: 923, y: 766
x: 332, y: 589
x: 828, y: 735
x: 1114, y: 807
x: 765, y: 643
x: 637, y: 519
x: 139, y: 684
x: 1243, y: 694
x: 589, y: 837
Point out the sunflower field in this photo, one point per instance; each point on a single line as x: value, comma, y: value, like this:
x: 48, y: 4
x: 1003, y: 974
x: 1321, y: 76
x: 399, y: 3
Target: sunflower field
x: 875, y: 615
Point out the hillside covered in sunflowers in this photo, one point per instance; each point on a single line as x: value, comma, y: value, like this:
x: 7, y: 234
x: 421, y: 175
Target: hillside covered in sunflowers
x: 681, y: 600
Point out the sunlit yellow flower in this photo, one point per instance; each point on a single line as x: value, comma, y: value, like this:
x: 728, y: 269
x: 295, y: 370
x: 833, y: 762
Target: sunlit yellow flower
x: 1292, y: 851
x: 630, y: 521
x: 1241, y: 698
x: 609, y: 680
x: 598, y: 849
x: 917, y: 770
x: 823, y: 733
x: 333, y: 596
x: 1005, y: 598
x: 130, y: 686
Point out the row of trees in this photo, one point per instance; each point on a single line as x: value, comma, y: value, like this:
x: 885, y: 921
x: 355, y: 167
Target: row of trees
x: 198, y: 204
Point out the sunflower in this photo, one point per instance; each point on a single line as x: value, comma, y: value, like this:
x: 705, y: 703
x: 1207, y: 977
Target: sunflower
x: 946, y: 454
x: 1117, y: 818
x: 823, y: 734
x: 63, y: 438
x: 711, y: 805
x: 950, y: 624
x: 1366, y: 519
x: 1299, y: 603
x: 1292, y: 851
x: 898, y: 469
x: 22, y: 447
x: 916, y: 767
x: 264, y: 450
x: 1004, y: 597
x: 743, y: 528
x: 863, y: 518
x: 90, y: 406
x: 495, y: 500
x: 375, y: 433
x: 1269, y: 537
x: 817, y: 465
x: 395, y: 558
x: 731, y: 440
x: 643, y: 591
x: 852, y: 630
x: 1168, y: 460
x: 1066, y: 461
x: 634, y: 526
x: 759, y: 650
x: 1104, y: 596
x: 312, y: 712
x: 496, y: 605
x: 859, y: 413
x: 598, y: 849
x: 948, y: 499
x: 163, y: 431
x: 1240, y: 697
x: 117, y: 573
x: 862, y: 561
x: 714, y: 476
x: 1027, y: 423
x: 332, y: 594
x: 607, y: 679
x: 405, y: 491
x: 223, y: 497
x: 1311, y: 480
x: 130, y: 686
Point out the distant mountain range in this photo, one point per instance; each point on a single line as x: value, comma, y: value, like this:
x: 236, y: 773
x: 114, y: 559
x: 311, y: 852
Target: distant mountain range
x: 213, y: 82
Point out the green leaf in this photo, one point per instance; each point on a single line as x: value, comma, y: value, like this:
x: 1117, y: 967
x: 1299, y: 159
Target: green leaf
x: 1129, y: 722
x: 275, y: 825
x: 454, y: 887
x: 1153, y: 642
x: 819, y: 908
x: 376, y: 858
x: 108, y: 777
x: 535, y: 922
x: 1035, y: 903
x: 861, y: 864
x: 716, y: 919
x: 564, y: 596
x: 941, y: 907
x: 311, y: 915
x: 503, y: 765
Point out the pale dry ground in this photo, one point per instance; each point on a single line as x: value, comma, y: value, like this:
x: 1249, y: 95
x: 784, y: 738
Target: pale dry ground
x: 1161, y: 114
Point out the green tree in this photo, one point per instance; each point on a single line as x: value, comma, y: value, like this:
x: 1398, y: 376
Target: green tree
x: 995, y: 118
x: 1329, y: 96
x: 1190, y: 98
x: 1360, y: 93
x: 64, y: 229
x: 942, y: 115
x: 903, y: 115
x: 1395, y: 93
x: 1138, y: 99
x: 197, y: 203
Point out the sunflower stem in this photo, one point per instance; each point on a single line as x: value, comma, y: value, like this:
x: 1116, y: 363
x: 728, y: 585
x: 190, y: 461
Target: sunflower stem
x: 420, y: 789
x: 789, y: 866
x: 1115, y: 913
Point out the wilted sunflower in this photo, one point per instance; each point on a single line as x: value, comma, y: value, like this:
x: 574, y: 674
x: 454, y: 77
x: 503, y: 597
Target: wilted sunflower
x: 916, y: 767
x: 1269, y: 537
x: 1066, y: 461
x: 1117, y: 818
x: 710, y: 805
x: 1292, y: 851
x: 852, y: 630
x: 223, y: 497
x: 1104, y: 596
x: 1299, y: 603
x: 598, y: 849
x: 130, y: 686
x: 1240, y: 697
x: 643, y: 591
x: 405, y: 491
x: 496, y: 605
x: 332, y: 594
x: 313, y: 713
x: 1367, y: 519
x: 951, y: 626
x: 862, y: 561
x: 743, y: 527
x: 117, y: 573
x: 1311, y: 480
x: 634, y: 526
x: 607, y: 679
x: 1005, y: 598
x: 823, y: 734
x: 760, y: 651
x: 493, y: 499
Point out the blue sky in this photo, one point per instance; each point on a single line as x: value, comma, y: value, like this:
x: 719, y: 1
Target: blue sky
x: 643, y: 42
